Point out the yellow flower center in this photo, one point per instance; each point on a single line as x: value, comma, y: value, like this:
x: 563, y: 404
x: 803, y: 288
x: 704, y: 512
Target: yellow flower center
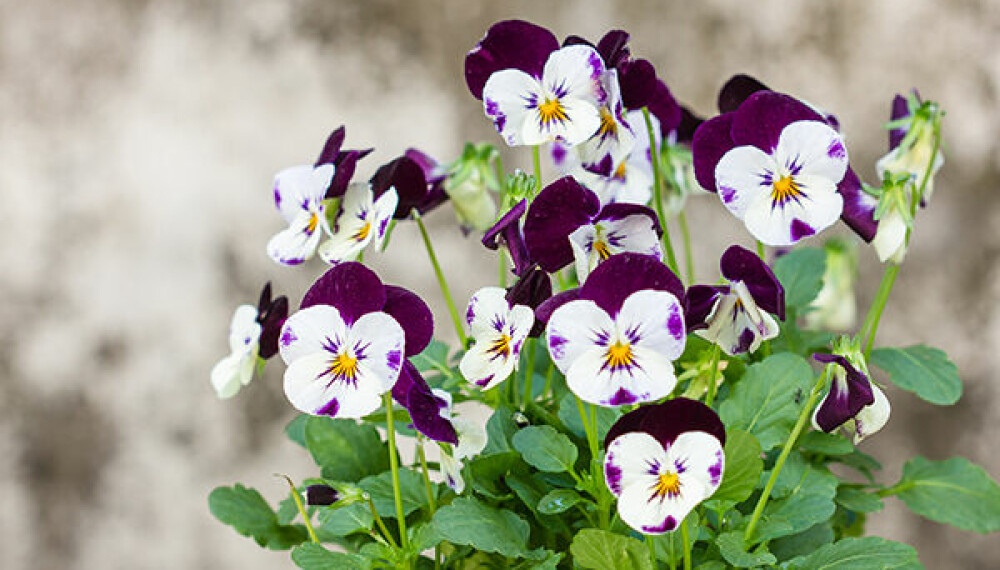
x: 313, y: 222
x: 362, y: 233
x: 667, y: 485
x: 601, y: 247
x: 344, y: 366
x: 619, y: 356
x: 620, y: 171
x: 551, y: 111
x: 784, y: 189
x: 609, y: 126
x: 501, y: 346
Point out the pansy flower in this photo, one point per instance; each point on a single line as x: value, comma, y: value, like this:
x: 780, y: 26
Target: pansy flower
x: 363, y: 219
x: 853, y: 402
x: 561, y: 104
x: 425, y: 406
x: 253, y: 334
x: 299, y: 192
x: 507, y: 232
x: 468, y: 183
x: 531, y: 290
x: 737, y: 316
x: 509, y: 44
x: 499, y: 330
x: 416, y: 184
x: 472, y: 439
x: 662, y: 460
x: 779, y: 166
x: 566, y: 223
x: 346, y: 345
x: 615, y: 137
x: 615, y: 339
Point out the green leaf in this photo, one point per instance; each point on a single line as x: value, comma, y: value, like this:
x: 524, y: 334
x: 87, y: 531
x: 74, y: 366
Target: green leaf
x: 551, y: 562
x: 808, y: 493
x: 733, y: 550
x: 569, y: 415
x: 869, y: 553
x: 311, y: 556
x: 858, y: 501
x: 558, y: 501
x: 799, y: 476
x: 826, y: 443
x: 246, y: 511
x: 600, y: 549
x: 743, y: 467
x: 434, y: 358
x: 545, y: 448
x: 487, y: 472
x: 470, y: 522
x: 765, y: 402
x: 923, y: 370
x: 669, y: 546
x: 956, y: 492
x: 803, y: 543
x: 345, y: 450
x: 296, y: 429
x: 345, y: 520
x: 499, y: 429
x: 801, y: 274
x: 411, y: 487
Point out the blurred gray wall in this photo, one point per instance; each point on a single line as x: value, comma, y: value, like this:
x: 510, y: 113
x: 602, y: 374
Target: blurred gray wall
x: 138, y: 140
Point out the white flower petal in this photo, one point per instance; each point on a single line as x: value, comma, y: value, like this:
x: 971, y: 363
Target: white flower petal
x: 486, y: 368
x: 817, y: 207
x: 451, y: 469
x: 698, y: 455
x: 472, y: 438
x: 308, y: 331
x: 378, y: 341
x: 815, y: 147
x: 487, y: 311
x: 504, y: 97
x: 640, y: 507
x: 648, y: 376
x: 575, y: 328
x: 656, y: 319
x: 740, y: 178
x: 300, y: 187
x: 232, y: 372
x: 298, y: 242
x: 244, y: 330
x: 311, y: 388
x: 890, y: 238
x: 575, y: 72
x: 872, y: 417
x: 383, y: 210
x: 628, y: 459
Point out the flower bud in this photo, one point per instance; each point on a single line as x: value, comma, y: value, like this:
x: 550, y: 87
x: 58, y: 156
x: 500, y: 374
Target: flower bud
x: 835, y: 307
x: 470, y: 178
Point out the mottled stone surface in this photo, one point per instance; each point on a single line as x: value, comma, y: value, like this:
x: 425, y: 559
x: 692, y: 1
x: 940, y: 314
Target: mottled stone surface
x: 138, y: 144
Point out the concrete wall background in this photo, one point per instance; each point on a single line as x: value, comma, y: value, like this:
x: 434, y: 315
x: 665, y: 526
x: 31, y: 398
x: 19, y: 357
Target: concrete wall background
x: 138, y: 140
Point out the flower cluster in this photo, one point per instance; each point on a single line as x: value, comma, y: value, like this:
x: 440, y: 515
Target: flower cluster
x: 591, y: 334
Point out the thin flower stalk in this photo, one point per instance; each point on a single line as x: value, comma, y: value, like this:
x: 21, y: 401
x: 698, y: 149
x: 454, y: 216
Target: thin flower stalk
x: 397, y: 493
x: 657, y: 192
x: 445, y: 291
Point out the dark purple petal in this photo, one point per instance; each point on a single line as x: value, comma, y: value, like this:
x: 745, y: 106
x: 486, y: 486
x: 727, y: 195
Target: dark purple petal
x: 637, y: 79
x: 664, y: 107
x: 688, y: 125
x: 265, y: 298
x: 621, y: 210
x: 413, y: 315
x: 321, y: 495
x: 346, y: 164
x: 424, y: 407
x: 508, y: 44
x: 406, y: 176
x: 737, y: 90
x: 710, y: 142
x: 271, y: 321
x: 900, y: 109
x: 668, y: 420
x: 508, y: 230
x: 545, y: 310
x: 558, y: 210
x: 574, y: 40
x: 839, y: 405
x: 620, y: 275
x: 761, y: 118
x: 532, y: 289
x: 741, y: 264
x: 859, y: 206
x: 701, y: 300
x: 351, y: 287
x: 331, y: 150
x: 613, y: 48
x: 604, y: 167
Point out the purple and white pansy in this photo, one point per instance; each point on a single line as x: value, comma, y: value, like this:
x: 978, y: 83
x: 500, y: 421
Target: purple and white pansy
x: 567, y: 224
x: 499, y: 330
x: 343, y: 160
x: 299, y: 194
x: 427, y: 407
x: 662, y: 460
x: 562, y: 104
x: 615, y: 339
x: 737, y: 316
x: 253, y: 335
x: 363, y: 219
x: 346, y: 345
x: 780, y: 167
x: 854, y: 402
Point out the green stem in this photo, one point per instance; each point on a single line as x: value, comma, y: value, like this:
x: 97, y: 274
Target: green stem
x: 760, y: 251
x: 652, y: 550
x: 895, y: 490
x: 654, y: 155
x: 688, y: 257
x: 673, y: 554
x: 870, y: 326
x: 301, y: 508
x: 502, y: 267
x: 397, y: 493
x: 713, y: 372
x: 441, y: 281
x: 789, y: 444
x: 548, y: 380
x: 536, y: 155
x: 529, y: 371
x: 431, y: 501
x: 379, y: 522
x: 686, y: 542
